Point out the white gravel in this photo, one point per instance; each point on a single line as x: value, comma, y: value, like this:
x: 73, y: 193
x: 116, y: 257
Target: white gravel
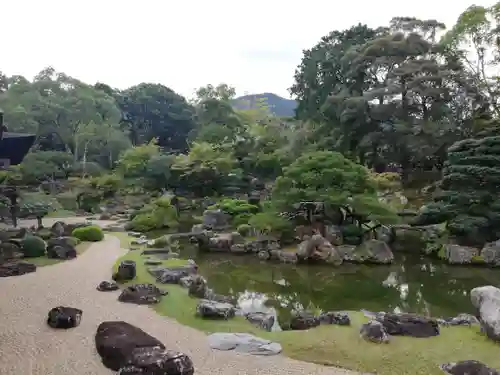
x: 29, y: 347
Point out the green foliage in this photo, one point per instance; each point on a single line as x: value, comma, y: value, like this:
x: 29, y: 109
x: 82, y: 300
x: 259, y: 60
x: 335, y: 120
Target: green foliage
x: 235, y: 207
x: 45, y: 165
x: 89, y: 200
x: 92, y: 233
x: 157, y: 215
x: 329, y: 177
x: 270, y: 223
x: 244, y: 229
x: 133, y: 162
x: 33, y: 246
x: 109, y: 184
x: 468, y: 199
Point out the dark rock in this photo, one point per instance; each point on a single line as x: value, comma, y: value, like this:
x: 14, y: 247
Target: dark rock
x: 215, y: 310
x: 142, y: 294
x: 198, y: 287
x: 468, y: 368
x: 10, y: 250
x: 243, y: 343
x: 186, y: 281
x: 172, y: 275
x: 126, y: 271
x: 61, y: 248
x: 64, y: 317
x: 261, y: 320
x: 57, y: 229
x: 107, y: 286
x: 16, y: 268
x: 302, y: 320
x: 116, y: 341
x: 409, y: 325
x: 157, y: 361
x: 374, y: 331
x: 331, y: 317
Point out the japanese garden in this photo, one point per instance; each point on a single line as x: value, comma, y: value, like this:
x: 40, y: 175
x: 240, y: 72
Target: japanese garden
x: 355, y: 228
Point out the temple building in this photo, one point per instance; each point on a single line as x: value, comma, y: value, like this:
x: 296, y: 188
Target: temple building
x: 13, y: 146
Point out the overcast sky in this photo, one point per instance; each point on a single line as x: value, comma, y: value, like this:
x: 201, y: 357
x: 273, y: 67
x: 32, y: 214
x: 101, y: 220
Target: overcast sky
x: 253, y: 46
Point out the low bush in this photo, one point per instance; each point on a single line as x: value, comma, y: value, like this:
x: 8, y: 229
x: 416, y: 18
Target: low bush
x: 33, y: 247
x: 244, y: 229
x: 91, y: 233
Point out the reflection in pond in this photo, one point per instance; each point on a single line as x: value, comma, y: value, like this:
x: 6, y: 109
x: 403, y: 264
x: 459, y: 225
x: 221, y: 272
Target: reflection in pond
x: 411, y: 284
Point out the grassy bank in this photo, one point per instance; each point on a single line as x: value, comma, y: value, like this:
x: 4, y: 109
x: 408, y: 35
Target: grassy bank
x: 335, y: 345
x: 44, y: 261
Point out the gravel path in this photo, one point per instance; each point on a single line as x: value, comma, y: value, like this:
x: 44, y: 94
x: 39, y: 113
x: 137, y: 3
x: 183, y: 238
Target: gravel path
x: 29, y: 347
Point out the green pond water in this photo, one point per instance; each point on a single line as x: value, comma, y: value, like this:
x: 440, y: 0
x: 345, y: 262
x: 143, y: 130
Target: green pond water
x: 412, y: 284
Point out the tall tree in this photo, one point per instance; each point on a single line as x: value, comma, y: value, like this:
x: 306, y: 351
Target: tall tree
x: 155, y: 111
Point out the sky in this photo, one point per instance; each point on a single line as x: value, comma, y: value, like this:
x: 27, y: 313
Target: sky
x: 253, y: 46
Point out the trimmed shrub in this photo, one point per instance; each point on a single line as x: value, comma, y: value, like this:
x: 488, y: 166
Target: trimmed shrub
x: 33, y: 247
x: 244, y: 229
x: 91, y: 233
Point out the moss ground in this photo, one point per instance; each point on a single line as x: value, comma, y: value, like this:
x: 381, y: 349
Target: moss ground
x: 44, y: 261
x: 335, y: 345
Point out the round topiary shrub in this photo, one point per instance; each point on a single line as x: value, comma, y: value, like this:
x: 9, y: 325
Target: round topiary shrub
x: 91, y: 233
x: 33, y: 246
x: 244, y: 229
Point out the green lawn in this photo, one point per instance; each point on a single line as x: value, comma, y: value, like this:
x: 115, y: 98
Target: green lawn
x: 335, y: 345
x: 44, y: 261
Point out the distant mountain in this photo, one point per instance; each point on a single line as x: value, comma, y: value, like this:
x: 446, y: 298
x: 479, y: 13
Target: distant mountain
x: 279, y: 106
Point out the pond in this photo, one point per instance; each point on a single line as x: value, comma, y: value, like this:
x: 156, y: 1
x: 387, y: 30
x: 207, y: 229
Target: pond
x: 412, y: 284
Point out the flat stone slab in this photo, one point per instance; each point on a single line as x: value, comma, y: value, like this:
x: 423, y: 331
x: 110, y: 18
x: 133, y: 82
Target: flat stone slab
x: 243, y: 343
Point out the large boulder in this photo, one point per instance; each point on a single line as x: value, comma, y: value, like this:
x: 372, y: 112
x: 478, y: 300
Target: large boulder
x: 457, y: 254
x: 215, y: 220
x: 468, y: 368
x: 374, y: 331
x: 157, y: 361
x: 61, y: 229
x: 61, y: 248
x: 408, y: 325
x: 261, y: 319
x: 215, y: 310
x: 373, y: 251
x: 16, y: 268
x: 141, y: 294
x: 115, y: 341
x: 318, y: 248
x: 198, y: 287
x: 486, y: 299
x: 107, y: 286
x: 64, y: 317
x: 490, y: 253
x: 10, y: 250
